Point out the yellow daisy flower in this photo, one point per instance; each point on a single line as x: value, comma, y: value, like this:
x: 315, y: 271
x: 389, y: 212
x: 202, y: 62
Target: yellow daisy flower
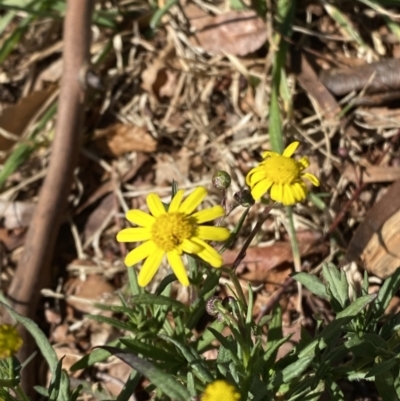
x: 282, y: 176
x: 220, y: 390
x: 10, y: 341
x: 172, y: 233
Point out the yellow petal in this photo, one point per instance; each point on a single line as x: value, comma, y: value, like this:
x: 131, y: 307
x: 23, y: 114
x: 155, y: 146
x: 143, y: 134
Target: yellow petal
x: 311, y: 177
x: 193, y: 200
x: 176, y: 201
x: 260, y: 189
x: 178, y: 267
x: 209, y: 214
x: 140, y: 253
x: 300, y: 191
x: 209, y: 254
x: 303, y: 163
x: 189, y: 246
x: 256, y: 177
x: 250, y: 173
x: 140, y: 218
x: 150, y: 267
x: 134, y: 234
x: 288, y: 195
x: 210, y: 233
x: 155, y: 205
x: 290, y: 149
x: 277, y: 193
x: 268, y: 154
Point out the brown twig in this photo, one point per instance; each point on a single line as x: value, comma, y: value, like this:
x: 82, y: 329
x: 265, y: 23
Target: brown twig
x: 382, y: 76
x: 33, y: 271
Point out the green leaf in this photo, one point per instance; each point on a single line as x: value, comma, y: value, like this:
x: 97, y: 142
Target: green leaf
x: 338, y: 286
x: 207, y: 337
x: 95, y: 356
x: 386, y: 293
x: 164, y: 381
x: 293, y: 370
x: 385, y: 385
x: 155, y: 352
x: 312, y: 283
x: 192, y: 357
x: 383, y: 367
x: 112, y: 322
x: 335, y: 327
x: 274, y: 338
x: 41, y: 340
x: 129, y: 387
x: 151, y: 299
x: 161, y: 12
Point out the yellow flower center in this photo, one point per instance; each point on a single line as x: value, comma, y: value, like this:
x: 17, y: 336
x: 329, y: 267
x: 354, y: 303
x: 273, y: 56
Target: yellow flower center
x: 10, y: 341
x: 220, y: 390
x: 170, y: 229
x: 281, y: 169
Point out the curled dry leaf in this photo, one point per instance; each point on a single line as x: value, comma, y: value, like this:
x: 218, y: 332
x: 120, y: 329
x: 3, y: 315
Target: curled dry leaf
x: 235, y: 32
x: 376, y: 239
x: 16, y: 214
x: 159, y: 79
x: 119, y: 139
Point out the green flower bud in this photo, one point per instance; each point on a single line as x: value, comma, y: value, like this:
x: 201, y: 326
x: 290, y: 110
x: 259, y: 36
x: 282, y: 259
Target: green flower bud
x: 221, y: 180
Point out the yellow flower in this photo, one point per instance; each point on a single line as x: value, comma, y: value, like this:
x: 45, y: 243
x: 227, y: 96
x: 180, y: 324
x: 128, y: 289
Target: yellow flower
x: 282, y: 176
x: 172, y: 233
x: 10, y: 341
x: 220, y: 390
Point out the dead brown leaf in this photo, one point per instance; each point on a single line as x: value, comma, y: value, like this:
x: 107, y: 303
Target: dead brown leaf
x: 259, y: 261
x: 323, y: 100
x: 16, y: 118
x: 97, y: 216
x: 94, y: 289
x: 119, y: 139
x: 235, y: 32
x: 377, y: 237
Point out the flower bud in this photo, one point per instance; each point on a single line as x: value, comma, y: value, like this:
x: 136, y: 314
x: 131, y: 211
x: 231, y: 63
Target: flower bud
x: 244, y: 198
x: 221, y: 180
x: 210, y: 306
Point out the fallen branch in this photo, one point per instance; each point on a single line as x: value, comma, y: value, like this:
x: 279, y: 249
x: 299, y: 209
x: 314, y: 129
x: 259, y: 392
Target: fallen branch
x: 33, y: 271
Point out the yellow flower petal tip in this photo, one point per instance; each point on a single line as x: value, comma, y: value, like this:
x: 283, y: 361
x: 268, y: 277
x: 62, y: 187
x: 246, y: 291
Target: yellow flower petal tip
x: 10, y: 341
x: 172, y: 233
x: 281, y: 176
x: 220, y: 390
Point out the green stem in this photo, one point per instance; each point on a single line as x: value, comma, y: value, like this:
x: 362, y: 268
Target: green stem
x: 21, y: 394
x: 295, y: 250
